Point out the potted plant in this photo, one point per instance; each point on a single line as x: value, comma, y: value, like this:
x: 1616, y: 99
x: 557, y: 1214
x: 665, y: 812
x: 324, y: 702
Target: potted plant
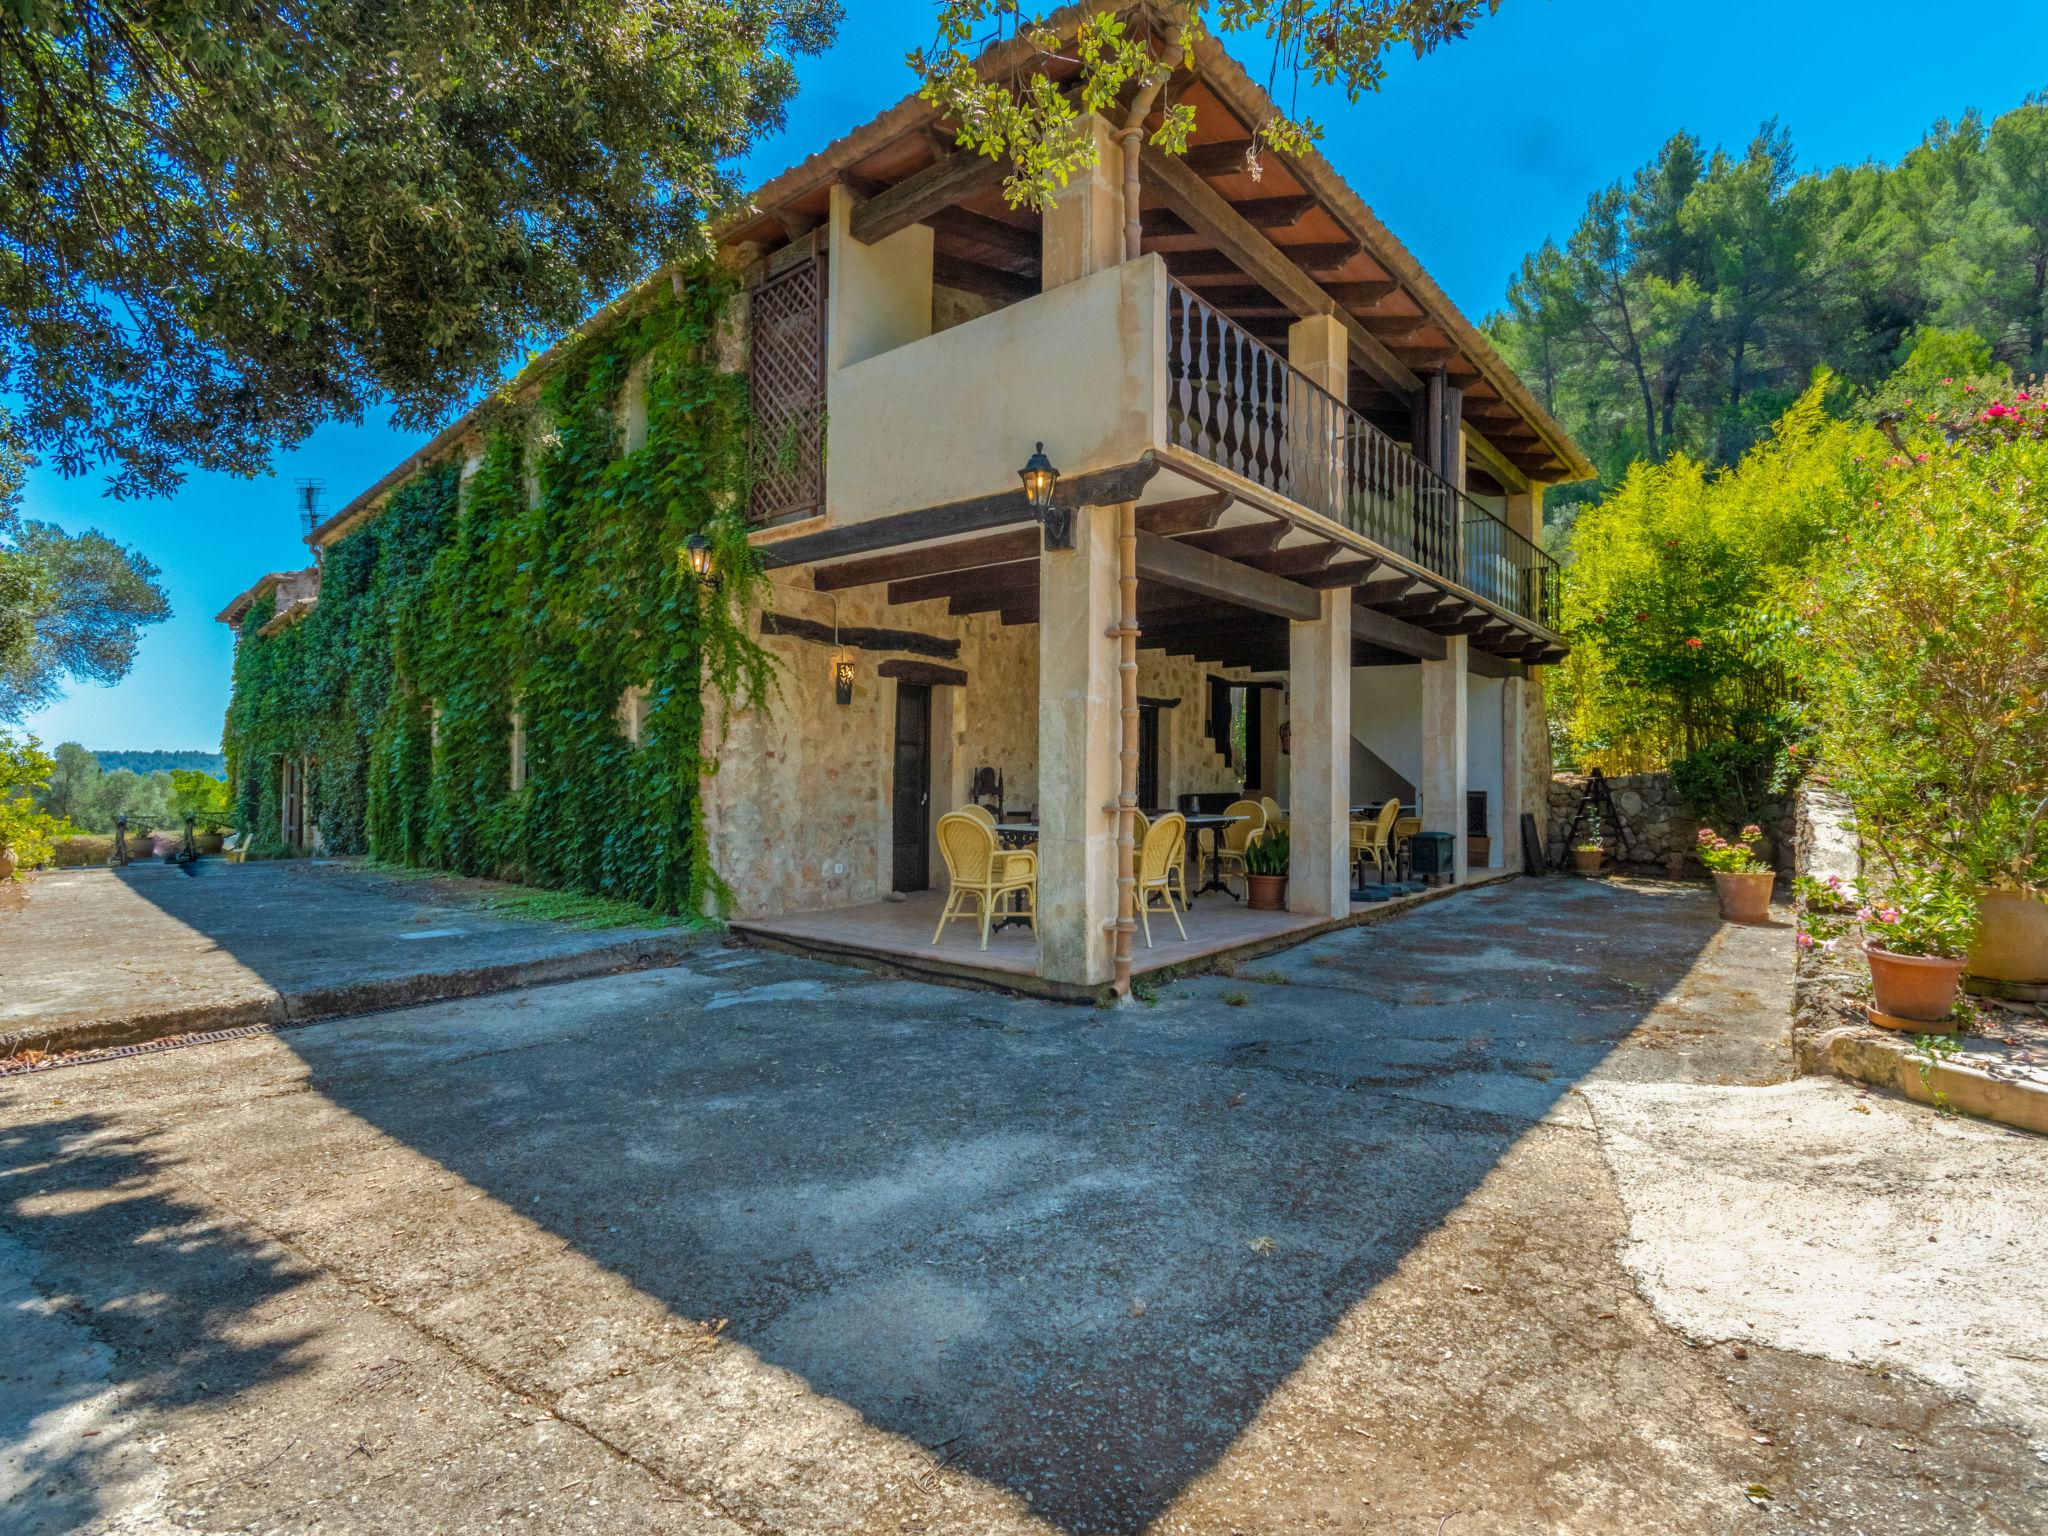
x: 1916, y: 937
x: 1588, y: 850
x: 2010, y: 955
x: 1265, y: 871
x: 1741, y: 877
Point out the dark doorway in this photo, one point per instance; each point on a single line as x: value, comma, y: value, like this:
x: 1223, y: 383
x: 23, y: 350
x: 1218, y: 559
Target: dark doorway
x: 912, y: 868
x: 1148, y: 758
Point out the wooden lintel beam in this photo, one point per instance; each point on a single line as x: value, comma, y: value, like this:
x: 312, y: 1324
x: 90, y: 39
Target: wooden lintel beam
x: 1172, y: 563
x: 962, y: 174
x: 1193, y: 267
x: 861, y: 637
x: 1200, y: 205
x: 1017, y: 544
x: 929, y: 673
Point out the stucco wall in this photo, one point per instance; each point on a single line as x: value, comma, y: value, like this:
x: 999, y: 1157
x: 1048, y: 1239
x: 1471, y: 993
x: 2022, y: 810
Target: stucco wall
x: 1189, y: 763
x: 1079, y: 367
x: 1386, y: 716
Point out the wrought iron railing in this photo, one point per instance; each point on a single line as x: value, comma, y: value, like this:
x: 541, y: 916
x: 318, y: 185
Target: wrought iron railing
x: 1240, y: 404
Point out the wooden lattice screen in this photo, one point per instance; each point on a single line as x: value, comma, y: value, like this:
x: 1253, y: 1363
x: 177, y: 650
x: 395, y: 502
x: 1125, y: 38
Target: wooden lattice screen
x: 787, y: 389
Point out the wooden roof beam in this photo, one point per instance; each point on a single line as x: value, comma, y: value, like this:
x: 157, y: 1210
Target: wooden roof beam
x: 1200, y: 205
x: 1173, y: 563
x: 962, y: 174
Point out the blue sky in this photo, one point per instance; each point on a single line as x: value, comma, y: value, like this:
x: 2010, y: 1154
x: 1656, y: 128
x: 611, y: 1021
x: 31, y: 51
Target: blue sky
x: 1471, y: 157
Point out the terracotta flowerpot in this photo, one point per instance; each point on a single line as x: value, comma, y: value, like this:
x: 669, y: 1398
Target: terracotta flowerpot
x: 1917, y: 987
x: 1745, y: 898
x: 1266, y: 893
x: 1587, y: 860
x: 2012, y: 938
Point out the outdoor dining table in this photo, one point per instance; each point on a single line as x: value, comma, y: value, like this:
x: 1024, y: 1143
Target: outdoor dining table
x: 1014, y: 834
x: 1203, y: 822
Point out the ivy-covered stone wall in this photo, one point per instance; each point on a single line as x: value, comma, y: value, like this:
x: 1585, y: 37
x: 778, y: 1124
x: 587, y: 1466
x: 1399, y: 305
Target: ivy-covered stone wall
x: 538, y: 580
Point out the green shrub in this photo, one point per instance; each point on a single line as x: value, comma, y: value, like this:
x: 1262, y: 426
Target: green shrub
x: 1924, y: 649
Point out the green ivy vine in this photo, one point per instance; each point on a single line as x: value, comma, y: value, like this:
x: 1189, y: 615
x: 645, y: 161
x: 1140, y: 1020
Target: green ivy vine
x: 467, y: 601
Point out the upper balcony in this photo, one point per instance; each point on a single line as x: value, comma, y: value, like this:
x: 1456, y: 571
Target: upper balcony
x: 1243, y: 454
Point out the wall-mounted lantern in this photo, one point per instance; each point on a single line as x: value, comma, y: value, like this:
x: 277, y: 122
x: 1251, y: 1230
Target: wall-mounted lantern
x: 697, y: 554
x: 1041, y: 480
x: 842, y: 675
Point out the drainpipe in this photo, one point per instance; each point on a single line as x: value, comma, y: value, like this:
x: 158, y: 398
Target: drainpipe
x: 1132, y: 138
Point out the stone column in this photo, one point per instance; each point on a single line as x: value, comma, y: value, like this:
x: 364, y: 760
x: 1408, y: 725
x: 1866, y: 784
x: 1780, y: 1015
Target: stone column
x: 1444, y: 726
x: 1083, y: 232
x: 1319, y: 787
x: 1319, y: 347
x: 1514, y: 704
x: 1078, y: 701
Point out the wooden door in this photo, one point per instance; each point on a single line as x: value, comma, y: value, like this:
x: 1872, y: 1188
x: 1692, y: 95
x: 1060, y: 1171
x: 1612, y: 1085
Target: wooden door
x: 912, y: 816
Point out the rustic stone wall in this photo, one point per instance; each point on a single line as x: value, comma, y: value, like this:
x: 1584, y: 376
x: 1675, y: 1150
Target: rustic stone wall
x: 798, y: 814
x: 1662, y: 828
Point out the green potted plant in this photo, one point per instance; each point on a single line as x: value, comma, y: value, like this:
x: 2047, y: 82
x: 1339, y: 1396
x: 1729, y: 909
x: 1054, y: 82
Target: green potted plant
x: 2006, y: 857
x: 1265, y: 871
x: 1588, y: 851
x: 1741, y: 877
x: 1916, y: 938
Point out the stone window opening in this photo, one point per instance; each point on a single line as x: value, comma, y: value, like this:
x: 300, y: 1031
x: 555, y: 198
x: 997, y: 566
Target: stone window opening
x: 633, y: 407
x: 632, y: 713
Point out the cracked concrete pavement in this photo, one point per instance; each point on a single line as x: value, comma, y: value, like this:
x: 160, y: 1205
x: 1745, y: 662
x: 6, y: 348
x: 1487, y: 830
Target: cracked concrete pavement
x: 1502, y: 1217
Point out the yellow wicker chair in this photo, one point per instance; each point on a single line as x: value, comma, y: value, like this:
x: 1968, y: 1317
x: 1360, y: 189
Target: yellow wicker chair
x: 980, y: 813
x: 1274, y: 818
x: 1374, y: 839
x: 1404, y: 828
x: 977, y: 870
x: 1164, y: 843
x: 1251, y: 818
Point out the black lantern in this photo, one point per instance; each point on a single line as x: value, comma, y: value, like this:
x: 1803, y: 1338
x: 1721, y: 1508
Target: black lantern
x: 842, y: 675
x: 1040, y: 481
x: 697, y: 552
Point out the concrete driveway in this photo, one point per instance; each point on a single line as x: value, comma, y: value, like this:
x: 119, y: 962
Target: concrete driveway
x: 1498, y: 1218
x: 103, y: 957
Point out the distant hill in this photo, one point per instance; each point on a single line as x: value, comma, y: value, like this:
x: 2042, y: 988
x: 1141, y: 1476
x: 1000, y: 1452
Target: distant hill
x: 162, y: 762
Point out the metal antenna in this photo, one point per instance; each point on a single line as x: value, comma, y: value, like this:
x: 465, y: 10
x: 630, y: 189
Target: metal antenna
x: 310, y: 492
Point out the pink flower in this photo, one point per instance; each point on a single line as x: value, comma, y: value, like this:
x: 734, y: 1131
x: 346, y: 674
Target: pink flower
x: 1806, y: 941
x: 1828, y: 947
x: 1888, y: 914
x: 1969, y: 389
x: 1751, y: 832
x: 1863, y: 914
x: 1706, y: 836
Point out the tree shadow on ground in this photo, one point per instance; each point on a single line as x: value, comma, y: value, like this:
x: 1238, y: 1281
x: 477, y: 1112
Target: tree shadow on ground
x: 1072, y: 1251
x: 120, y: 1302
